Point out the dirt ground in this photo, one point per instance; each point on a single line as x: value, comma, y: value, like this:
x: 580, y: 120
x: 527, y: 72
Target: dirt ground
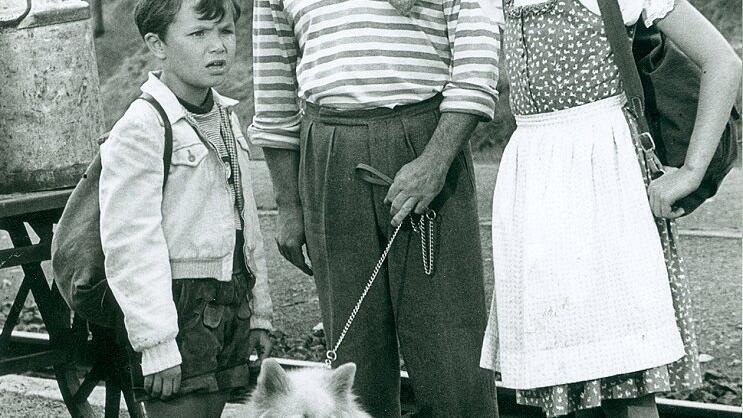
x: 713, y: 264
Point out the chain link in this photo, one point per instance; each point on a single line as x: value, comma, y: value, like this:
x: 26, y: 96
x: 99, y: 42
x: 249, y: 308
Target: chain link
x: 332, y: 355
x: 426, y: 244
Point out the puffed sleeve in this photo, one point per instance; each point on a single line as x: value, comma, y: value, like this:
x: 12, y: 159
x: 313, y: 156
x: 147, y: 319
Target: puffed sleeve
x: 632, y: 10
x: 494, y: 10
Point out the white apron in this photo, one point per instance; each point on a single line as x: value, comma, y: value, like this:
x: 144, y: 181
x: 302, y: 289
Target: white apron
x: 581, y: 287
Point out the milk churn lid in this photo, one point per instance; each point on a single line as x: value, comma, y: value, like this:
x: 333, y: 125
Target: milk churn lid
x: 21, y: 14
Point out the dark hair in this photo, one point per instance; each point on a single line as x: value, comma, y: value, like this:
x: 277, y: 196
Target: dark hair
x: 155, y: 16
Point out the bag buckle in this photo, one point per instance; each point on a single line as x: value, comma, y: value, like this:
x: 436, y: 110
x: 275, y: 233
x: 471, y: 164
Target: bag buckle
x: 646, y: 142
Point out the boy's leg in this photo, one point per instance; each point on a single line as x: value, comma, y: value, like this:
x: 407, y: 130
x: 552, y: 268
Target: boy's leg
x: 344, y: 245
x: 207, y: 405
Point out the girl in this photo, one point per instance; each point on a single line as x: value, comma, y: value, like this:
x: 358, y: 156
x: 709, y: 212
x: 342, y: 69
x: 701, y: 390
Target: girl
x: 591, y: 301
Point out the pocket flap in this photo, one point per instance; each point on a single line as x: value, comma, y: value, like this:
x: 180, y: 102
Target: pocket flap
x: 190, y: 155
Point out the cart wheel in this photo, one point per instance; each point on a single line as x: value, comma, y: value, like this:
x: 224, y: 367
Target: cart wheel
x: 107, y: 366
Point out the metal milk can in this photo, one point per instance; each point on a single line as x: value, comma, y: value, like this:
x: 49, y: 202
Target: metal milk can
x: 50, y: 105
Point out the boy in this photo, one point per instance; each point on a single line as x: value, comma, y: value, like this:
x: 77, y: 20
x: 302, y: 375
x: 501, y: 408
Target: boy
x: 185, y: 261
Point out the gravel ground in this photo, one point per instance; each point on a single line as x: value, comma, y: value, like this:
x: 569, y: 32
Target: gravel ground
x: 14, y: 405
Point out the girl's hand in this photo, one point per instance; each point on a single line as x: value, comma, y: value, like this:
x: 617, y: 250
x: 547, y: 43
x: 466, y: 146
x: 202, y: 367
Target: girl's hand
x: 668, y: 189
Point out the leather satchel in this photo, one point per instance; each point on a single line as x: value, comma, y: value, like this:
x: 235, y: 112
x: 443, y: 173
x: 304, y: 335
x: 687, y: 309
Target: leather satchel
x: 77, y: 253
x: 662, y: 87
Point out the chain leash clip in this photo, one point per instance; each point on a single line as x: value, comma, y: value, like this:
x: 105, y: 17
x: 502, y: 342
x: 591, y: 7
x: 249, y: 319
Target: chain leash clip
x: 426, y: 233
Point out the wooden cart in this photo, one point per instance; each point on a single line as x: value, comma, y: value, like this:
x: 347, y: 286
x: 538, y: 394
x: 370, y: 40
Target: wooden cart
x: 80, y: 358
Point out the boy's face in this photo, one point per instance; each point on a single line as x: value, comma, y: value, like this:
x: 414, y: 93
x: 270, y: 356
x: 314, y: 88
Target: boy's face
x: 198, y: 53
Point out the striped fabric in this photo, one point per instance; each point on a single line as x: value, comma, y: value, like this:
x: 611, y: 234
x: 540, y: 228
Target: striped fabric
x: 215, y: 127
x: 361, y: 54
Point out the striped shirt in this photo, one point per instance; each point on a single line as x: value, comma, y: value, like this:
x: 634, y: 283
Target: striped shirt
x: 361, y: 54
x: 211, y: 126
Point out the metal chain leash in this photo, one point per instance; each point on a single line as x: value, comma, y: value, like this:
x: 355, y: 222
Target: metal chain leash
x: 331, y: 355
x: 426, y: 242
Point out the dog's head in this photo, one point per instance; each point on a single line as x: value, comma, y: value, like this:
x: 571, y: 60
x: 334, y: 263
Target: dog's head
x: 306, y: 393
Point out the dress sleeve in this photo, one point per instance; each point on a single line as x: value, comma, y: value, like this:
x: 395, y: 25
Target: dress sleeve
x: 655, y: 10
x: 494, y: 10
x: 632, y: 10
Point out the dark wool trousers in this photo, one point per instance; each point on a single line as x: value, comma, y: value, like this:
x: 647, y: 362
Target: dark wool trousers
x: 437, y: 321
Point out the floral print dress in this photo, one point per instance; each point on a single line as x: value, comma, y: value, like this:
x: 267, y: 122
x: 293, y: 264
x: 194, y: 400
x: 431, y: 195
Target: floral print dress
x: 558, y: 59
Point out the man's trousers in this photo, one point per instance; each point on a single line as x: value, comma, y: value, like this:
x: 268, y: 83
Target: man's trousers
x: 437, y: 320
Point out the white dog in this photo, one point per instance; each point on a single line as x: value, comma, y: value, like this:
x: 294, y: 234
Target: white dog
x: 305, y: 393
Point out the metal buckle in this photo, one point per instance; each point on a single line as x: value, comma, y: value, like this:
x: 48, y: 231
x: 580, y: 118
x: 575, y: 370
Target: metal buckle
x: 646, y: 142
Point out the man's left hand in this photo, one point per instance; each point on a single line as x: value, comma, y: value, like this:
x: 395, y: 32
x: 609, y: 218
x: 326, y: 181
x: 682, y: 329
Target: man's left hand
x: 260, y: 341
x: 415, y: 186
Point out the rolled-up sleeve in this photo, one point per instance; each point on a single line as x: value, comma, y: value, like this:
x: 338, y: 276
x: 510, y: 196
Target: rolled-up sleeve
x: 277, y: 114
x: 474, y: 40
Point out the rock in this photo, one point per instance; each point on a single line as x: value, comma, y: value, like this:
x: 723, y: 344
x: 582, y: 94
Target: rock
x: 704, y: 358
x: 735, y: 362
x: 712, y: 374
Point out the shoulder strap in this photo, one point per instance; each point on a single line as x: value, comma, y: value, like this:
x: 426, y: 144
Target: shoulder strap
x: 621, y: 45
x: 168, y: 152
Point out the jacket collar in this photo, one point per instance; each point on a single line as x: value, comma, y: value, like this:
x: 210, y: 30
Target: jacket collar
x: 167, y: 99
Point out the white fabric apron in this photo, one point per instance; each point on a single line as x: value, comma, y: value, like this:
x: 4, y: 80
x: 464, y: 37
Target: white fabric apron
x: 581, y: 287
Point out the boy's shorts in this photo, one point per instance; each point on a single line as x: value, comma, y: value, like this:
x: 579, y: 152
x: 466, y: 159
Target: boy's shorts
x: 213, y: 323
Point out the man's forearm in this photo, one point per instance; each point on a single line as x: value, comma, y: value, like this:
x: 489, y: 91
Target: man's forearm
x: 283, y: 164
x: 453, y: 130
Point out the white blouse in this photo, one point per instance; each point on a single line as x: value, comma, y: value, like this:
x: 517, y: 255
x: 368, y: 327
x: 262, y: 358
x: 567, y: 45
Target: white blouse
x: 632, y: 10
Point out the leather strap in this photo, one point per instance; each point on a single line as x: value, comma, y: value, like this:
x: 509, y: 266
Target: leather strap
x: 621, y: 45
x: 168, y: 152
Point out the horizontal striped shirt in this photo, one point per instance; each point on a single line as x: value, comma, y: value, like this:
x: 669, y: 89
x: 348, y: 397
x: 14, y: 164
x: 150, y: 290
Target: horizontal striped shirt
x: 362, y: 54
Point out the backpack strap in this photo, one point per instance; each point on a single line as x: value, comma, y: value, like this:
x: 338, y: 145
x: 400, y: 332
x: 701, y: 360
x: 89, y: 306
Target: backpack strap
x: 168, y: 152
x: 621, y: 45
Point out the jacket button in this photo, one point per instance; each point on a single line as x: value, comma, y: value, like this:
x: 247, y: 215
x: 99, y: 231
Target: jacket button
x: 191, y: 157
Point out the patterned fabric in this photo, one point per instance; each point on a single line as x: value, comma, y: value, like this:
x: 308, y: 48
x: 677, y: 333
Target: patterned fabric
x: 363, y: 54
x: 214, y: 126
x: 557, y: 34
x: 551, y: 68
x: 581, y: 286
x: 684, y: 374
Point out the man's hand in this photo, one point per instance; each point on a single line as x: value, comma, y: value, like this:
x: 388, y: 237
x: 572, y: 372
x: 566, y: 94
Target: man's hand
x: 260, y: 341
x: 164, y: 383
x: 290, y: 237
x: 415, y: 186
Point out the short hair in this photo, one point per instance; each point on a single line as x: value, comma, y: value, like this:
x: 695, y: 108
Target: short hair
x: 155, y: 16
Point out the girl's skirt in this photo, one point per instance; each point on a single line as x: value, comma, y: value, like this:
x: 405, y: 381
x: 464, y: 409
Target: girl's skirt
x: 590, y: 295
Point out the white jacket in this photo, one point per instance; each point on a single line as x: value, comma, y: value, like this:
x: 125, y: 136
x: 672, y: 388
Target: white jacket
x: 151, y: 236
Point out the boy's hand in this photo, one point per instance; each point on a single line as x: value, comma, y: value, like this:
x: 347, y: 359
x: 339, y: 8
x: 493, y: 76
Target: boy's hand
x: 260, y: 341
x: 164, y: 383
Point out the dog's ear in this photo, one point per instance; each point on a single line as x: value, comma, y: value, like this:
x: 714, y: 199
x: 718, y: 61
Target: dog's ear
x: 273, y: 379
x: 341, y: 381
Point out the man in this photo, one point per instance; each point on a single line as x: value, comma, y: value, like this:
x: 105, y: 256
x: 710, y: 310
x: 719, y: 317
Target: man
x: 397, y: 86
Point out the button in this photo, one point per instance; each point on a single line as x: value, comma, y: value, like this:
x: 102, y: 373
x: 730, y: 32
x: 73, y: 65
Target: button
x: 191, y: 157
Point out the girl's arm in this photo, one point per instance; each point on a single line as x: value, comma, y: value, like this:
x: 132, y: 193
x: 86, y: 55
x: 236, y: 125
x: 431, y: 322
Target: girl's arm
x: 720, y: 81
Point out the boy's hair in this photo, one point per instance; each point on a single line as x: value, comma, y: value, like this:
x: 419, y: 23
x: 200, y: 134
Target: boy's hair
x: 155, y: 16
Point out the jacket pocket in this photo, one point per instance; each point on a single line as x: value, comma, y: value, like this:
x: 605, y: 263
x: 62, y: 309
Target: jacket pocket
x: 189, y: 155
